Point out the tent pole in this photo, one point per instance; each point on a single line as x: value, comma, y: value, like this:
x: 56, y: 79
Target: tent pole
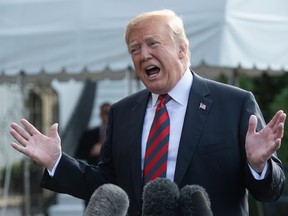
x: 27, y: 195
x: 6, y: 184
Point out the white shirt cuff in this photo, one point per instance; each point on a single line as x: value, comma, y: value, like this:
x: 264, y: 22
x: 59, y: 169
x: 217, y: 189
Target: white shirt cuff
x: 256, y: 175
x: 52, y: 172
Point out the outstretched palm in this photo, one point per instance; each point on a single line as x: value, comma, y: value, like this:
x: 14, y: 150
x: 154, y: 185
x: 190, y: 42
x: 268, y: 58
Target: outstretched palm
x: 42, y: 149
x: 261, y: 145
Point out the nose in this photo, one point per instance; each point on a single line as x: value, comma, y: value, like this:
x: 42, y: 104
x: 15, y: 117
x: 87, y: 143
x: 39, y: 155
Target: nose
x: 145, y: 54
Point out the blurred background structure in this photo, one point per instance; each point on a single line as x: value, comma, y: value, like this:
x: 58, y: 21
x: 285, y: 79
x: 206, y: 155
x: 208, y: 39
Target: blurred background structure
x: 60, y: 59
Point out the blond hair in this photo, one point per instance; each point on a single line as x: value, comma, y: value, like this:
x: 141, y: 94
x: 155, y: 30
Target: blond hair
x: 174, y: 22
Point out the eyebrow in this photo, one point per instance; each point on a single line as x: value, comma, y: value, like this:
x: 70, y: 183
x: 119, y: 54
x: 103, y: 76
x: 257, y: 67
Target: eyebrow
x: 147, y: 38
x: 151, y: 37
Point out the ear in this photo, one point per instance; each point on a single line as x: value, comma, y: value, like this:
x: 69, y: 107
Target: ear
x: 182, y: 50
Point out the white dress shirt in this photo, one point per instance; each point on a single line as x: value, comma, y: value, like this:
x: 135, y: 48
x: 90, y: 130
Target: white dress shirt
x: 176, y: 108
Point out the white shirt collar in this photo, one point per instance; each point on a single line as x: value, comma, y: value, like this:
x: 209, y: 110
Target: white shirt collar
x: 181, y: 90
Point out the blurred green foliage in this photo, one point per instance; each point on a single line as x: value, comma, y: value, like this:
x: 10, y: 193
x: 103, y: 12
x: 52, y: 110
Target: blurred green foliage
x: 16, y: 183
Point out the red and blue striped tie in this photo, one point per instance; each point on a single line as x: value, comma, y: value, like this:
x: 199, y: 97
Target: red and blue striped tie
x: 155, y: 161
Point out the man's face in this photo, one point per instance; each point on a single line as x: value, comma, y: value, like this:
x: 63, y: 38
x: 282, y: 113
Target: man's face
x: 104, y: 114
x: 157, y: 59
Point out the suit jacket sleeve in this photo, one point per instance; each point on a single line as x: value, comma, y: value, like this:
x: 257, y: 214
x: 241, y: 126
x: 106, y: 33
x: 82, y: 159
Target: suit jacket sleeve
x: 272, y: 186
x: 73, y: 177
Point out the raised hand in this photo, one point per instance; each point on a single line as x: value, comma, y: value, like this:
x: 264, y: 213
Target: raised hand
x: 261, y: 145
x: 42, y: 149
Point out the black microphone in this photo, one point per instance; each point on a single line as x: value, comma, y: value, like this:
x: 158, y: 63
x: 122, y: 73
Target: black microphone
x: 108, y: 200
x: 194, y: 201
x: 160, y: 198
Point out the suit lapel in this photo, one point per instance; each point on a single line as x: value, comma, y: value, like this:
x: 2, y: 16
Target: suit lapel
x: 134, y: 147
x: 196, y: 114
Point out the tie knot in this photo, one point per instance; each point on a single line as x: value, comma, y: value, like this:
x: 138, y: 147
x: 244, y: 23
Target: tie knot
x: 164, y: 99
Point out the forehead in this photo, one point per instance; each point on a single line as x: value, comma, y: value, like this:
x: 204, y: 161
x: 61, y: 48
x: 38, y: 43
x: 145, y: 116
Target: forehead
x: 149, y: 28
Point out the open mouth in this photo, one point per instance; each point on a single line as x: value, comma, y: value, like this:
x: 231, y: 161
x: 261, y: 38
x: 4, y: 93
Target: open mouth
x: 152, y: 71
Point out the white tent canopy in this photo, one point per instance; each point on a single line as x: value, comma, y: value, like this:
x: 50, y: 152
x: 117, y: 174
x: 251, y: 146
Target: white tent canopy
x: 69, y: 36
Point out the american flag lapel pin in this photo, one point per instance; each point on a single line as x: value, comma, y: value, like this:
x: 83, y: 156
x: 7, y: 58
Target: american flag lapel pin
x: 202, y: 106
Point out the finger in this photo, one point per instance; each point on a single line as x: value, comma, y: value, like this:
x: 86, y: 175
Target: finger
x: 275, y: 120
x: 19, y: 148
x: 252, y: 124
x: 18, y: 137
x: 277, y: 145
x: 54, y: 131
x: 283, y: 118
x: 20, y: 130
x: 279, y: 125
x: 280, y: 131
x: 29, y: 127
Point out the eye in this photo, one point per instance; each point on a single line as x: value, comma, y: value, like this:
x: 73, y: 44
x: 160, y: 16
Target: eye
x: 134, y: 49
x: 153, y: 43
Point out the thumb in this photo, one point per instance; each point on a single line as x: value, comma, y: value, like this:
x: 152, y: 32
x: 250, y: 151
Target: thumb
x: 54, y: 131
x: 252, y: 124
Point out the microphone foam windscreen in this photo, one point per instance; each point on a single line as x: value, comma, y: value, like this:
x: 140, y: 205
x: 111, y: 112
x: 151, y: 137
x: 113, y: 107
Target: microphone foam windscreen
x: 160, y: 198
x: 108, y: 200
x: 194, y: 201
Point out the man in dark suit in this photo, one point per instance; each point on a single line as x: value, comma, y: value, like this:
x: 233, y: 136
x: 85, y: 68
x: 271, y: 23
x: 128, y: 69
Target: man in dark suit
x: 91, y: 140
x: 218, y: 138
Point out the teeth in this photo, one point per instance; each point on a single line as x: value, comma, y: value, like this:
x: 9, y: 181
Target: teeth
x: 153, y: 75
x: 152, y: 71
x: 150, y: 67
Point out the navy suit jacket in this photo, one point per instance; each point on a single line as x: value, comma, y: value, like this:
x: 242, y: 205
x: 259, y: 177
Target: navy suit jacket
x: 211, y: 152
